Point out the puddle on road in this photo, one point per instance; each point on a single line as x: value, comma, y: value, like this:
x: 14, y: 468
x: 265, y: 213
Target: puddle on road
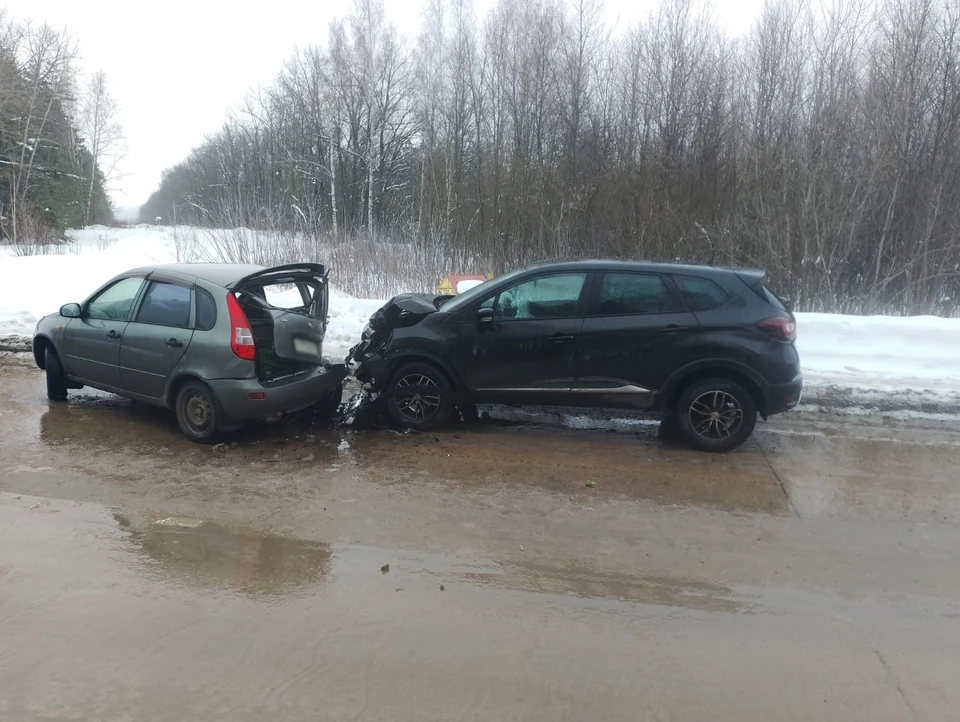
x: 202, y: 554
x: 87, y: 541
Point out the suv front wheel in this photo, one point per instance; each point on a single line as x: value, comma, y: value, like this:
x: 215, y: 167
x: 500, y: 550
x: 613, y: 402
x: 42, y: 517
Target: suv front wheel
x: 716, y: 415
x: 420, y: 397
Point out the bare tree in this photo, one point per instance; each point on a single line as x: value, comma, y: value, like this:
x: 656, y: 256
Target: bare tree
x: 102, y: 134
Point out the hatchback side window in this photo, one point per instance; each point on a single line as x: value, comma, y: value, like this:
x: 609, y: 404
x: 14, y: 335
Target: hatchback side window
x: 701, y: 294
x: 544, y: 297
x: 206, y: 310
x: 114, y: 303
x: 165, y: 304
x: 623, y: 294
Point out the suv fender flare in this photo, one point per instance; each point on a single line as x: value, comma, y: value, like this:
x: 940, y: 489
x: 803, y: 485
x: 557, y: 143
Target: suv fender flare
x: 726, y: 368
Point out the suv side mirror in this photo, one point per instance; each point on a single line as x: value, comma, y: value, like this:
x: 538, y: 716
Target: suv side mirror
x: 484, y: 316
x: 71, y: 310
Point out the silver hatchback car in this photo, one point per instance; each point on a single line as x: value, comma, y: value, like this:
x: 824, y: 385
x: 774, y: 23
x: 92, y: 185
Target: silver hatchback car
x: 219, y: 344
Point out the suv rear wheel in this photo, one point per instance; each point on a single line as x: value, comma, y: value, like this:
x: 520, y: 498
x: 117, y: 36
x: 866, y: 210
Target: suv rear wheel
x: 420, y: 397
x: 197, y: 414
x: 716, y: 414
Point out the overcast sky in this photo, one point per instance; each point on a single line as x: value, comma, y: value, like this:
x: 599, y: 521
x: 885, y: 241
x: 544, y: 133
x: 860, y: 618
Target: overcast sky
x: 175, y: 67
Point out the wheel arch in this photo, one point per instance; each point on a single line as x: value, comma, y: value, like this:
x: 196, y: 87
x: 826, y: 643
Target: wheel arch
x: 722, y: 369
x: 406, y: 356
x: 175, y: 384
x: 40, y: 345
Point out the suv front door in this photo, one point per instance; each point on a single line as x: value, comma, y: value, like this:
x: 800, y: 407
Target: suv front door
x: 528, y: 353
x: 157, y: 337
x: 92, y: 342
x: 632, y: 340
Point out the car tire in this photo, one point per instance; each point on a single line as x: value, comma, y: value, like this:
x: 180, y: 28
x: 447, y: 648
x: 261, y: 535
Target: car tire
x: 197, y: 412
x: 56, y: 378
x: 716, y: 415
x: 419, y: 397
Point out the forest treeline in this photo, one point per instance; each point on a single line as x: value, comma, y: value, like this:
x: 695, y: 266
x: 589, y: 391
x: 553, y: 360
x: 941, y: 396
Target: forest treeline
x: 822, y: 145
x: 56, y: 133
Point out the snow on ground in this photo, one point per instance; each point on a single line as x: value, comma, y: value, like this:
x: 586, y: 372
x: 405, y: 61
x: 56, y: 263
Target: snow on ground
x: 873, y: 361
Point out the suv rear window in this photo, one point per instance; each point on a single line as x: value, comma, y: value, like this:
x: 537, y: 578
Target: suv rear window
x: 633, y: 294
x: 701, y: 294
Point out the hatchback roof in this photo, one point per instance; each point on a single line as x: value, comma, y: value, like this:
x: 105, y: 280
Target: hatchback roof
x: 222, y: 274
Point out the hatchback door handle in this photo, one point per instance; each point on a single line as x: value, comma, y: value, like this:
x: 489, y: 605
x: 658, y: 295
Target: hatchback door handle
x: 113, y: 335
x: 560, y: 339
x: 173, y: 343
x: 673, y: 328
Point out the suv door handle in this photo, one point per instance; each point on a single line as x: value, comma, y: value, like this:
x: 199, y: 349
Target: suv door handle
x: 560, y: 339
x: 113, y: 335
x: 173, y: 343
x: 673, y: 328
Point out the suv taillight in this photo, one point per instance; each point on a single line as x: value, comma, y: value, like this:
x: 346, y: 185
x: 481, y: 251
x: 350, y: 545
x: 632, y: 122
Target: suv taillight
x: 784, y: 329
x: 241, y: 337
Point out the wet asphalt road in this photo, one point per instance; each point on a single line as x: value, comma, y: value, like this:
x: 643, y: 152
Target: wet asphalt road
x: 810, y: 575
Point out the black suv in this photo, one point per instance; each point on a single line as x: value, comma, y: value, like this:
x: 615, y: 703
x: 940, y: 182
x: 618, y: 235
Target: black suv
x: 710, y: 348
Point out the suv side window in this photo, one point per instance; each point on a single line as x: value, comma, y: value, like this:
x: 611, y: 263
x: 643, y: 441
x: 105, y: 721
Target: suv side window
x: 165, y: 304
x: 701, y: 294
x: 632, y: 294
x: 115, y: 302
x: 544, y: 297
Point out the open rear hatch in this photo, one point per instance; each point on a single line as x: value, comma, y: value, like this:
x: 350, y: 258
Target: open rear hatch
x: 287, y: 310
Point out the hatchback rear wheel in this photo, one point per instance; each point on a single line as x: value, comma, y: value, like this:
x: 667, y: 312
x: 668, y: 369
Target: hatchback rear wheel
x: 716, y: 415
x: 420, y: 397
x: 197, y: 414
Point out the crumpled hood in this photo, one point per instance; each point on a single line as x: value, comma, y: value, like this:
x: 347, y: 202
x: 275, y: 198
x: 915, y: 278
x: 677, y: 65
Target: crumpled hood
x: 406, y: 309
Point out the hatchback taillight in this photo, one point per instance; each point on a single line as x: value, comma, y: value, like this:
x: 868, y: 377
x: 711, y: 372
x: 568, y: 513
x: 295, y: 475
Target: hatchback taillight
x: 241, y: 337
x: 784, y: 329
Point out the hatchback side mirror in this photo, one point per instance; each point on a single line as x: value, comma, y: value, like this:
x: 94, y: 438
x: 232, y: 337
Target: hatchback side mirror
x: 485, y: 316
x: 71, y: 310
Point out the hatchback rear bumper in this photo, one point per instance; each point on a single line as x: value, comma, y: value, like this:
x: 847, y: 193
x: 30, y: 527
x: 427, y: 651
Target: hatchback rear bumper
x: 236, y: 404
x: 783, y: 397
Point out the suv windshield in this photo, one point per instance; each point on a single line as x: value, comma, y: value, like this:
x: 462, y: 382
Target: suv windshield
x: 463, y: 299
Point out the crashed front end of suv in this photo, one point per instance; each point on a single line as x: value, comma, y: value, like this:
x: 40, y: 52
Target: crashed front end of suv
x: 419, y: 397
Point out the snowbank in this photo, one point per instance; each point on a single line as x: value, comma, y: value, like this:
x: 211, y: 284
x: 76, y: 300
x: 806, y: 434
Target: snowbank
x: 918, y: 352
x: 870, y: 359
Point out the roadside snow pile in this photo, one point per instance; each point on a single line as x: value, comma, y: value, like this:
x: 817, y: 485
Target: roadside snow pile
x: 918, y: 352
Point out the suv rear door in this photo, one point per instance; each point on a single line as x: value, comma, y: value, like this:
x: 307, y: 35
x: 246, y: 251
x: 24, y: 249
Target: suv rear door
x: 296, y: 297
x: 157, y: 337
x: 632, y: 339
